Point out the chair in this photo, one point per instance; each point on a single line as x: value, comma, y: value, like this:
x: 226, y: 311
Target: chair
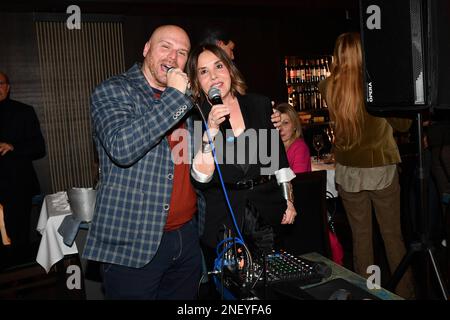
x: 309, y: 233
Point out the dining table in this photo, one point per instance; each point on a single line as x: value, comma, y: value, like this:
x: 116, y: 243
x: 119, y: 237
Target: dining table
x: 326, y: 163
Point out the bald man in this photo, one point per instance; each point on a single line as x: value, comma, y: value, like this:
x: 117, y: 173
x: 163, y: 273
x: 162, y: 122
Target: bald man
x: 143, y: 229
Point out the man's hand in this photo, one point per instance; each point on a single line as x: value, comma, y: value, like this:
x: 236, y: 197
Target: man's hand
x: 177, y: 79
x: 276, y: 119
x: 5, y: 147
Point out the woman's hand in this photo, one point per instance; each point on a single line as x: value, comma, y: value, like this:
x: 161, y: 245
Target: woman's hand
x: 216, y: 116
x: 5, y: 147
x: 5, y: 239
x: 290, y: 214
x: 276, y: 119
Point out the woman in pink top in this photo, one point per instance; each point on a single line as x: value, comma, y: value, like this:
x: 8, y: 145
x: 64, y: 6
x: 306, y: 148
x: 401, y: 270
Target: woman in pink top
x: 300, y: 161
x: 292, y: 137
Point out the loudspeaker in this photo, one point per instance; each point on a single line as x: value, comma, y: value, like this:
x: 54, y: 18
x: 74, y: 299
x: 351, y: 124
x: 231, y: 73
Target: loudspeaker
x: 405, y: 54
x: 393, y: 53
x: 439, y: 52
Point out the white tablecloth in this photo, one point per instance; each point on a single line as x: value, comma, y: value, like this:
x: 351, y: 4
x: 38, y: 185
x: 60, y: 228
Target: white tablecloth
x: 52, y: 248
x: 330, y: 168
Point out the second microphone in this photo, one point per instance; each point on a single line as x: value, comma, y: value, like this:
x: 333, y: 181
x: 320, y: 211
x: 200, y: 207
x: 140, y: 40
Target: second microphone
x: 215, y: 98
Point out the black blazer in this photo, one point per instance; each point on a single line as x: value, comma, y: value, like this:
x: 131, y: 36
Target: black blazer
x: 267, y: 198
x: 20, y: 127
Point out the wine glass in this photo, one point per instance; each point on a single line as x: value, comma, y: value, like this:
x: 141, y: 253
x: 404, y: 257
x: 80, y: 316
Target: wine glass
x: 330, y: 134
x: 318, y: 144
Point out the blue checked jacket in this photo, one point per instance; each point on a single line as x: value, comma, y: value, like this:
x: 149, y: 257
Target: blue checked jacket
x: 136, y: 168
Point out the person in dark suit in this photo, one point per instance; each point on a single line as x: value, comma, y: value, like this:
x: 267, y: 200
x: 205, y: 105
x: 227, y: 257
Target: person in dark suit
x: 220, y: 37
x: 252, y: 183
x: 143, y: 229
x: 21, y: 142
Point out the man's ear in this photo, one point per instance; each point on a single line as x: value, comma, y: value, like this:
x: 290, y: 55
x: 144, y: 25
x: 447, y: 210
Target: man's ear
x: 220, y: 43
x: 146, y: 48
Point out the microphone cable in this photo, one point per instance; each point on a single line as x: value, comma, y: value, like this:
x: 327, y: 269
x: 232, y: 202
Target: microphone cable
x: 229, y: 242
x: 219, y: 172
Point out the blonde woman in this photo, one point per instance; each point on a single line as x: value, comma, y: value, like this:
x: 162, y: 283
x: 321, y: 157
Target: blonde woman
x: 366, y: 161
x: 291, y: 134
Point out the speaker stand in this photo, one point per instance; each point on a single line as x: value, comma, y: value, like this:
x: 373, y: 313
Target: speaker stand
x: 424, y: 244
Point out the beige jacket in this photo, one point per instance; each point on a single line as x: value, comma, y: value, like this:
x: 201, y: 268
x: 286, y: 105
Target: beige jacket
x: 377, y: 147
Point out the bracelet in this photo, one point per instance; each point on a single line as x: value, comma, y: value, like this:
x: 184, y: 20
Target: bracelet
x: 288, y: 194
x: 206, y: 147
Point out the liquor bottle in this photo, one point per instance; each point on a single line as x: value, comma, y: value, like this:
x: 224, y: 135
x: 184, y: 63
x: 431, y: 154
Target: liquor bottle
x: 307, y: 71
x: 313, y: 71
x: 297, y: 71
x: 306, y: 97
x: 323, y: 70
x: 292, y: 72
x: 327, y: 67
x: 294, y: 99
x: 312, y: 96
x: 302, y: 72
x: 286, y: 69
x: 317, y: 70
x: 318, y: 97
x: 303, y: 76
x: 301, y: 98
x: 290, y: 95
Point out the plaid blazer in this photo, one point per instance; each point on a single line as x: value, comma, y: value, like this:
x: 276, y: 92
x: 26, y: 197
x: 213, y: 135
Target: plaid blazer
x: 136, y: 167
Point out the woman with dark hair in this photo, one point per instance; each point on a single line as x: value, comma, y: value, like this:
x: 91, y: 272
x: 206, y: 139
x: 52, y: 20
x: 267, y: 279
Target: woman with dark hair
x: 253, y: 184
x: 366, y: 161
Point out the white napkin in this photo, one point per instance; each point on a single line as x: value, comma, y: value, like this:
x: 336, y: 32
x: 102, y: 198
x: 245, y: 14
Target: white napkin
x: 52, y: 248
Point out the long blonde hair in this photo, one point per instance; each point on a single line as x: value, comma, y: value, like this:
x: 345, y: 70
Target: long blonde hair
x: 344, y: 93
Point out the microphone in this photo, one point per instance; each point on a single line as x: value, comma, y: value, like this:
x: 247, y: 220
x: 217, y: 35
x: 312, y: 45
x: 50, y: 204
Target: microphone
x: 215, y: 98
